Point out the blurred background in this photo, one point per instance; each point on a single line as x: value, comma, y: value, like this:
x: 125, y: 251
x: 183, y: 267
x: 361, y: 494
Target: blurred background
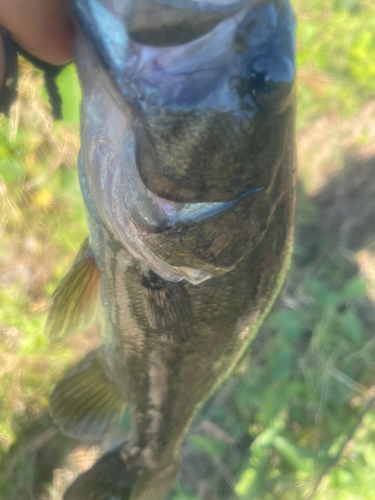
x: 297, y: 421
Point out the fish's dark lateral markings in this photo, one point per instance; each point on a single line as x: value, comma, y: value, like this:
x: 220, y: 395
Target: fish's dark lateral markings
x: 187, y: 170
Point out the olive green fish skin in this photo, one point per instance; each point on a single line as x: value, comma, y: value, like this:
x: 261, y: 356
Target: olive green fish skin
x: 172, y: 344
x: 190, y: 211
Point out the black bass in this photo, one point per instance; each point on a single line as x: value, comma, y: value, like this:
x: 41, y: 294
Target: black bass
x: 187, y: 171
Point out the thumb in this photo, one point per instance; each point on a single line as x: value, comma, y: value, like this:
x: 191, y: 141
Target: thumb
x: 41, y: 27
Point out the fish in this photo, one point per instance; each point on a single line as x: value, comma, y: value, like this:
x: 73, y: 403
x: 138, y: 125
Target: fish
x: 187, y: 171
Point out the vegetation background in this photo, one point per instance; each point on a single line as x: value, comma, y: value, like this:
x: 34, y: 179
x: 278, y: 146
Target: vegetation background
x: 298, y: 420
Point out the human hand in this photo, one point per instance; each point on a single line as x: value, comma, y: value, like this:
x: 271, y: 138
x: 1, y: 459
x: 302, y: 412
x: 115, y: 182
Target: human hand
x: 41, y: 27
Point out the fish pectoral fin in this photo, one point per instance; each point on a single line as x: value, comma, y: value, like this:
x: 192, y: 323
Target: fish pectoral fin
x: 76, y: 300
x: 86, y: 403
x: 108, y: 478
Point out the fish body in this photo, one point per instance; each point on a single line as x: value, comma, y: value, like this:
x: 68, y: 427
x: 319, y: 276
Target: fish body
x: 187, y: 172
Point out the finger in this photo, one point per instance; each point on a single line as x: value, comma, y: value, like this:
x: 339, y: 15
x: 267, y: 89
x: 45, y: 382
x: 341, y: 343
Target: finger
x: 41, y: 27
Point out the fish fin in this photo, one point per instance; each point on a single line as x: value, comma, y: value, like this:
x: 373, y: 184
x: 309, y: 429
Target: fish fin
x: 168, y: 307
x: 86, y: 403
x: 115, y: 477
x: 107, y: 479
x: 76, y: 300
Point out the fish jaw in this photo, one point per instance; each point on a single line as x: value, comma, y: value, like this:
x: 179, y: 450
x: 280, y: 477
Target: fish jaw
x: 186, y: 99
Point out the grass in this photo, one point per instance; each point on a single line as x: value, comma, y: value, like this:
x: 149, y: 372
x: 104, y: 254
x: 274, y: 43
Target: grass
x: 298, y: 421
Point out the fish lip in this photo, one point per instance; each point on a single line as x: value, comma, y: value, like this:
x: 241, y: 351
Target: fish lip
x: 82, y: 13
x: 211, y: 209
x: 85, y: 20
x: 192, y: 213
x: 171, y: 23
x: 208, y: 6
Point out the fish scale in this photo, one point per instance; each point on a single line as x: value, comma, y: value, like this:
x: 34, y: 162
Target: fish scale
x: 191, y: 235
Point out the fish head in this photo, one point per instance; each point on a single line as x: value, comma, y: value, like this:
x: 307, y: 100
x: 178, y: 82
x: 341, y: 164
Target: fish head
x: 187, y: 126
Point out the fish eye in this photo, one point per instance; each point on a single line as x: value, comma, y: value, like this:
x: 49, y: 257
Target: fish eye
x: 270, y: 81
